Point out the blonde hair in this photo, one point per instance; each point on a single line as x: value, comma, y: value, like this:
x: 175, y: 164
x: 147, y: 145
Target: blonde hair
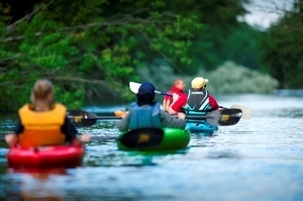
x: 41, y: 90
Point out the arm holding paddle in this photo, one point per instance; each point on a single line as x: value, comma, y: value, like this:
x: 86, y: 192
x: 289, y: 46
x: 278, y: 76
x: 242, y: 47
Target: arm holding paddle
x: 169, y: 121
x: 123, y: 125
x: 70, y: 134
x: 181, y: 102
x: 11, y: 139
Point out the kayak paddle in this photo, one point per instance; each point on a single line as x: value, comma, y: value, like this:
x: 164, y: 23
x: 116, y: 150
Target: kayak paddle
x: 224, y: 117
x: 82, y: 118
x: 246, y: 111
x: 134, y: 87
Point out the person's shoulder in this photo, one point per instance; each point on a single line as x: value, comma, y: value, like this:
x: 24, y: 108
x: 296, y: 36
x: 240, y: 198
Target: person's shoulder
x: 25, y: 107
x: 59, y: 106
x: 183, y: 96
x: 212, y: 97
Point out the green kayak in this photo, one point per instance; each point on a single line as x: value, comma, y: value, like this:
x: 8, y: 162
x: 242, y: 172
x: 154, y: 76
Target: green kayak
x: 172, y: 138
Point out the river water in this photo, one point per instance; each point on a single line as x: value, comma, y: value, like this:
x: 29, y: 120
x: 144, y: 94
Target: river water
x: 256, y: 159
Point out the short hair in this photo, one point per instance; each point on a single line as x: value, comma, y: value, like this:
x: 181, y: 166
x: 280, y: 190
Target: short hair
x: 176, y: 81
x: 42, y: 89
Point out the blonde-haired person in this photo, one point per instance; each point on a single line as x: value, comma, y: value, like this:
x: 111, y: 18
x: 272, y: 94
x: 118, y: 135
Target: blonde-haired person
x: 177, y: 88
x: 197, y: 101
x: 43, y: 122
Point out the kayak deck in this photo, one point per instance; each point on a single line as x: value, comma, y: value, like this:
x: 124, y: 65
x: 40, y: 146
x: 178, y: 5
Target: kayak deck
x: 45, y: 157
x: 173, y: 138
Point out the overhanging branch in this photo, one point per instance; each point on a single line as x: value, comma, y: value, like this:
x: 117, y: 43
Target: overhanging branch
x: 12, y: 28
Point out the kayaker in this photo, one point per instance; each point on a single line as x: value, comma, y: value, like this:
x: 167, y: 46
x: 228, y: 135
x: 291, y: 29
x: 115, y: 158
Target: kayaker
x: 43, y: 122
x: 178, y: 88
x: 197, y: 101
x: 146, y: 113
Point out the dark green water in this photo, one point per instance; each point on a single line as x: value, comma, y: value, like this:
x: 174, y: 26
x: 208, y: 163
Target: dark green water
x: 256, y: 159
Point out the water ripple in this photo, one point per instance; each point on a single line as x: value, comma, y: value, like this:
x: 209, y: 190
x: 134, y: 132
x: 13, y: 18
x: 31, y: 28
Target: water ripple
x: 256, y: 159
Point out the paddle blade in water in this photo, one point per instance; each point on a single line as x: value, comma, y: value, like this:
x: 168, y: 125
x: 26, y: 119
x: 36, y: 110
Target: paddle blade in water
x: 246, y: 111
x: 225, y: 117
x: 81, y: 118
x: 142, y: 138
x: 120, y: 113
x: 81, y: 114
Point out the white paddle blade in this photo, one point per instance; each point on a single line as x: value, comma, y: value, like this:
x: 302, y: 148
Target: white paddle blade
x: 134, y: 87
x: 246, y: 111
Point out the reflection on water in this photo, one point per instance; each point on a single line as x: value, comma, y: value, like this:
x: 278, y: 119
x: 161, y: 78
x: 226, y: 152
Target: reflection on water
x: 34, y: 185
x: 256, y: 159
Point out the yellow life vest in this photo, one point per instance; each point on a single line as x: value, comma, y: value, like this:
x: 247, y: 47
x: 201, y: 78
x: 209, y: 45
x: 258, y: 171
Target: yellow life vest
x: 42, y: 128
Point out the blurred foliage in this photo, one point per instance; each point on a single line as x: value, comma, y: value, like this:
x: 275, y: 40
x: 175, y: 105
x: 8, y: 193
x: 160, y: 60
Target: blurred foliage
x: 234, y: 79
x: 283, y: 48
x: 228, y: 78
x: 93, y: 48
x: 87, y: 48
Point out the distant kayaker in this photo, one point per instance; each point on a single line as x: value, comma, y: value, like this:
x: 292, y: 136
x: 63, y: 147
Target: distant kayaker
x: 43, y: 122
x: 177, y: 88
x: 197, y: 101
x: 146, y: 113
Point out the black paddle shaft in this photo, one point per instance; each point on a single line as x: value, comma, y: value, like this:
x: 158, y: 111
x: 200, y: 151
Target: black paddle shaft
x: 81, y: 118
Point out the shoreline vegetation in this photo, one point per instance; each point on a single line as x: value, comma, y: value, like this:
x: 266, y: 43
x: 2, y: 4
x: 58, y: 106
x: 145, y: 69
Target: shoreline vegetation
x: 93, y: 49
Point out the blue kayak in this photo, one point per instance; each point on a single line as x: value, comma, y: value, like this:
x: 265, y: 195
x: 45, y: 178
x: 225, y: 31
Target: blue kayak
x: 201, y: 128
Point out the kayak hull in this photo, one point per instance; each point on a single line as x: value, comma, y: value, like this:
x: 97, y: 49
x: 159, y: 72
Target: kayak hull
x: 201, y: 128
x: 173, y: 139
x: 45, y: 157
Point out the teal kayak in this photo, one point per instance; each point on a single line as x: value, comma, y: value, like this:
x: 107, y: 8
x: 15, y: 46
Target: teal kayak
x: 201, y: 128
x: 173, y: 138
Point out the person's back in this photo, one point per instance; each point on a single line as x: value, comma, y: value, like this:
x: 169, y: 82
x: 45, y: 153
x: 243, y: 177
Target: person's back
x: 45, y: 131
x: 43, y: 123
x: 197, y: 102
x: 145, y: 116
x: 177, y: 88
x: 146, y: 113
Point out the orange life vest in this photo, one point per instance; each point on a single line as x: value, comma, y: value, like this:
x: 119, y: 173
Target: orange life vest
x: 42, y: 128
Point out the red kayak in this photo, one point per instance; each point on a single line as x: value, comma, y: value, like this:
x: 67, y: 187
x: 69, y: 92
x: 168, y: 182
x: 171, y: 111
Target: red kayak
x: 45, y: 157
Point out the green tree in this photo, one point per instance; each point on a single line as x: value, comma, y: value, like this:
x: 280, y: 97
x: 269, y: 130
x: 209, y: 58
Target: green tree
x: 84, y: 46
x: 212, y: 46
x: 283, y: 47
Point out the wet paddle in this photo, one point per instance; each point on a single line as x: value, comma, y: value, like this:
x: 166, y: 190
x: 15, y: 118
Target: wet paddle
x: 82, y: 118
x: 224, y: 117
x: 134, y: 87
x: 246, y: 111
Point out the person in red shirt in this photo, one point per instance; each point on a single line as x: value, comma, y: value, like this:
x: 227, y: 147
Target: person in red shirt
x: 178, y: 88
x: 197, y: 101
